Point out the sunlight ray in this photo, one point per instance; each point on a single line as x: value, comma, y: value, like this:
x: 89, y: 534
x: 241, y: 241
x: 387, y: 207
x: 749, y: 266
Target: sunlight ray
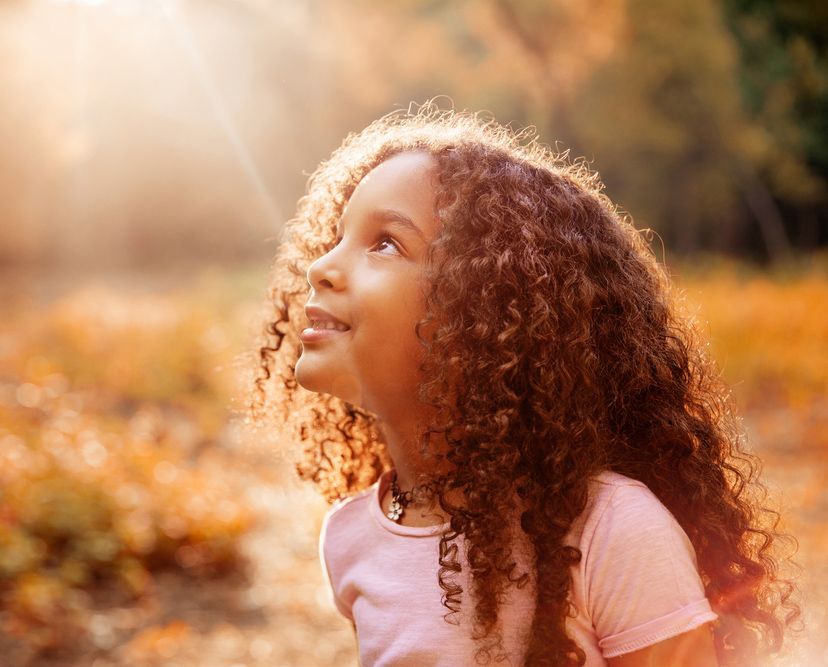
x: 189, y: 45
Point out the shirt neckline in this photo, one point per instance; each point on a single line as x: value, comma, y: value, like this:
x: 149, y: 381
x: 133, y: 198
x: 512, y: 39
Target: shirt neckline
x: 392, y: 526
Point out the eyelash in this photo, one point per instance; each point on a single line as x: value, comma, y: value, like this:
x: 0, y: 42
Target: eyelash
x: 382, y: 238
x: 385, y: 238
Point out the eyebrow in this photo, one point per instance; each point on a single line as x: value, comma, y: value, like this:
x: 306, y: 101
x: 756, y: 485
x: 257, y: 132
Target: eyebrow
x: 392, y: 217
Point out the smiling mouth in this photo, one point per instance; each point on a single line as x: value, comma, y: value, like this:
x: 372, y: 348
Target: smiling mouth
x: 318, y: 325
x: 317, y: 334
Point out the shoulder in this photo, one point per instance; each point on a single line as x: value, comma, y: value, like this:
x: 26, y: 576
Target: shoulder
x: 631, y: 543
x: 628, y: 531
x: 607, y: 483
x: 625, y: 519
x: 342, y: 534
x: 619, y: 504
x: 345, y: 514
x: 640, y: 578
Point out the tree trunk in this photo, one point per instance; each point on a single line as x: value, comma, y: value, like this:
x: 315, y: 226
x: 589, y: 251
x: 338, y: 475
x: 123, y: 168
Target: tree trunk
x: 767, y: 214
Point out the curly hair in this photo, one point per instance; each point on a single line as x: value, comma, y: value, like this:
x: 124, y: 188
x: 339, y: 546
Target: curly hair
x: 559, y: 349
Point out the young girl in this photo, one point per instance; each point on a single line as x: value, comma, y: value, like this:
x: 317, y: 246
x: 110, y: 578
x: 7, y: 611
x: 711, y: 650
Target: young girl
x: 533, y: 460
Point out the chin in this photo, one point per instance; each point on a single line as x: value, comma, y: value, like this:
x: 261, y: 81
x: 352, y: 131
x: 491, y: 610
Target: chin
x: 341, y: 384
x: 309, y: 378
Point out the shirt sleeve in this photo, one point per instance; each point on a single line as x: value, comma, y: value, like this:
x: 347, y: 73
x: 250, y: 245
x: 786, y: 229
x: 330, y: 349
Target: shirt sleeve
x: 640, y: 571
x: 343, y: 609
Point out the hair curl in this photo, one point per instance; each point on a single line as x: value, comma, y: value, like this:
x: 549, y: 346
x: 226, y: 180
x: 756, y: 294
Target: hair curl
x: 559, y: 351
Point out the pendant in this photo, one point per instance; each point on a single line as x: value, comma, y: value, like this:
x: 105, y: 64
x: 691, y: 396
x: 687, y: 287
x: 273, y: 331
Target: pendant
x: 395, y: 511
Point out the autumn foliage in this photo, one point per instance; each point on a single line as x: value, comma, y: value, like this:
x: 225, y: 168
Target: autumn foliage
x: 118, y: 462
x: 112, y: 465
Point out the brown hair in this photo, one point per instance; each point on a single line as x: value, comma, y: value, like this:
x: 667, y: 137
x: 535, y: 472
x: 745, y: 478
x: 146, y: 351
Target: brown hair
x: 559, y: 351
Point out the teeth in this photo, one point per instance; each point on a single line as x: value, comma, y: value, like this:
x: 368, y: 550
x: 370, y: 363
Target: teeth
x: 325, y: 324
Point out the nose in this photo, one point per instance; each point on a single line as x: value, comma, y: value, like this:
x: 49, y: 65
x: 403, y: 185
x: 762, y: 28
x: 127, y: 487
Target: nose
x: 325, y: 272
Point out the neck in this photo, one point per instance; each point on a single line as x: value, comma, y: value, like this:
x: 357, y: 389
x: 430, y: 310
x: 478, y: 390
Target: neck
x: 412, y: 466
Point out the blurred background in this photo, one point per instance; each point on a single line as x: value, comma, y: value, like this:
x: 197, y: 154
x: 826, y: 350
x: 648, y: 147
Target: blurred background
x: 152, y: 150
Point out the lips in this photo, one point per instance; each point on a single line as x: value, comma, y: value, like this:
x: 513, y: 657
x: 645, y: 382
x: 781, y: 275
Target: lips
x: 316, y: 313
x: 316, y: 335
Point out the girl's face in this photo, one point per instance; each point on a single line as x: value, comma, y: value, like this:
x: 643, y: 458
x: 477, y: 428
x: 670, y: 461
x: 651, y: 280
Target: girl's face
x: 372, y: 281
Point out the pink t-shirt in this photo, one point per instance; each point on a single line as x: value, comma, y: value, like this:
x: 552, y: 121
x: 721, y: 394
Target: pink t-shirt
x: 637, y: 582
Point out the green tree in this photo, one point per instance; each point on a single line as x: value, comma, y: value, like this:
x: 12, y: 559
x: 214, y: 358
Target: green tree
x: 783, y: 50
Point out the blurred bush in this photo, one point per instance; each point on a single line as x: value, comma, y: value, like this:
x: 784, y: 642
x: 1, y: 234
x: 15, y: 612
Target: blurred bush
x: 116, y: 460
x: 767, y: 330
x: 112, y: 411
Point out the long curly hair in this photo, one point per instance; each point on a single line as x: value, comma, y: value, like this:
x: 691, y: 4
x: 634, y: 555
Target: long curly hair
x: 559, y: 349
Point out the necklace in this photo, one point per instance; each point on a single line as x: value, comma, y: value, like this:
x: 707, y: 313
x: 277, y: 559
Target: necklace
x: 401, y: 499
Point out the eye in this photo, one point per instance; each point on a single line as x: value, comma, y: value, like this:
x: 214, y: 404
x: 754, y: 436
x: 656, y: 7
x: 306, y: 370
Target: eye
x: 387, y: 239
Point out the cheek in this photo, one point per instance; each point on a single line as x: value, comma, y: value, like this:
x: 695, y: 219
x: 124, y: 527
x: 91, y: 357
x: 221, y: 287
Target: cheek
x: 387, y: 330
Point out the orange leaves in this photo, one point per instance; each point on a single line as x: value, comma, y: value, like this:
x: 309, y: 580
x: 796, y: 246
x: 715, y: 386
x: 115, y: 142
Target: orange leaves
x: 156, y: 644
x: 768, y: 333
x: 124, y: 347
x: 106, y: 473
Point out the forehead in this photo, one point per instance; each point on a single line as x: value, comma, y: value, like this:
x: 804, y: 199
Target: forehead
x: 404, y: 182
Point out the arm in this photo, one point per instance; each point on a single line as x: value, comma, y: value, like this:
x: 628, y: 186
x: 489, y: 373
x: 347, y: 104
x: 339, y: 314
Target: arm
x: 690, y: 649
x: 646, y: 593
